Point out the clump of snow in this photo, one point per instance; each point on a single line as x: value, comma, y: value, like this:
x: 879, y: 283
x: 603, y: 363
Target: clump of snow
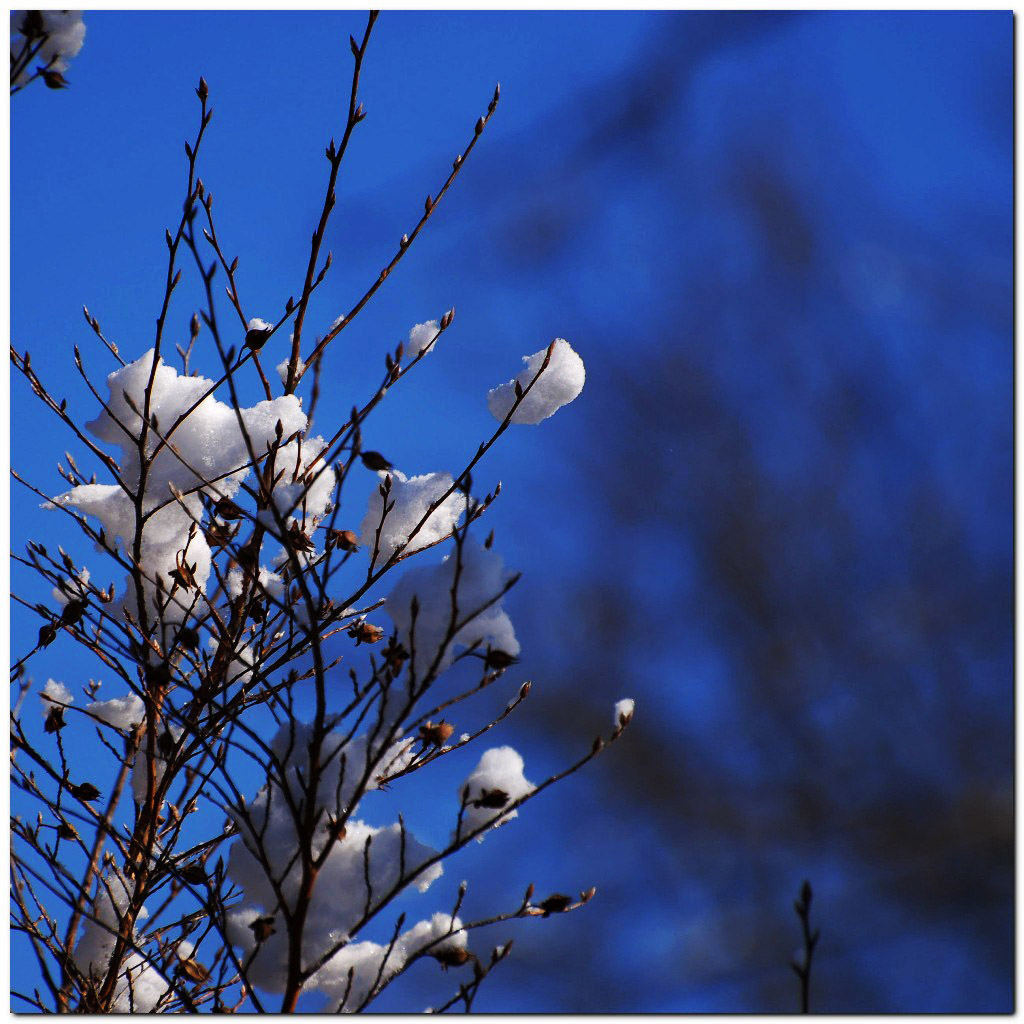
x: 560, y: 382
x: 211, y: 457
x: 54, y: 692
x: 421, y: 337
x: 498, y: 776
x: 411, y: 497
x: 140, y: 987
x: 282, y: 369
x: 120, y: 712
x: 305, y: 488
x: 65, y: 33
x: 340, y: 895
x: 624, y: 711
x: 481, y: 618
x: 256, y: 324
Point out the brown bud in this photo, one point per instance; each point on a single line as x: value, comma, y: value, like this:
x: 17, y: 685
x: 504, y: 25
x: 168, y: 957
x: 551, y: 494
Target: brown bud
x: 479, y: 126
x: 492, y: 798
x: 66, y: 831
x: 586, y: 897
x: 366, y: 633
x: 344, y: 539
x: 498, y: 659
x: 85, y: 791
x: 53, y: 79
x: 454, y: 956
x: 54, y: 719
x: 47, y: 634
x: 188, y: 638
x: 257, y: 338
x: 297, y: 540
x: 262, y: 928
x: 193, y: 873
x: 204, y: 90
x: 375, y: 461
x: 194, y: 971
x: 557, y: 903
x: 73, y: 611
x: 437, y: 734
x: 227, y: 509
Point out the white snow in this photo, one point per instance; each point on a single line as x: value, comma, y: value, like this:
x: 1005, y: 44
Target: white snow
x: 422, y: 336
x: 54, y: 692
x: 481, y: 581
x: 412, y: 496
x: 120, y: 712
x: 624, y: 711
x: 211, y: 457
x: 500, y: 768
x: 560, y: 382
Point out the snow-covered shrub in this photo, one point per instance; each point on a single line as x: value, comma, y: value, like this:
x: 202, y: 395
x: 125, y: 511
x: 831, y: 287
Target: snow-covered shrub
x: 227, y: 842
x: 42, y: 43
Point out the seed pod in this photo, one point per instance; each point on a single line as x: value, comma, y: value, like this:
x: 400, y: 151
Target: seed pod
x: 437, y: 734
x: 492, y: 798
x: 85, y: 791
x: 55, y: 719
x: 375, y: 461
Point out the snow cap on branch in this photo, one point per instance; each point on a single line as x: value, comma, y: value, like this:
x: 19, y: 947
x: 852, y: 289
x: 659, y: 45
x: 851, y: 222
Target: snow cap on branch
x: 412, y: 496
x: 422, y: 336
x: 64, y: 31
x: 560, y: 382
x: 495, y: 782
x: 481, y: 620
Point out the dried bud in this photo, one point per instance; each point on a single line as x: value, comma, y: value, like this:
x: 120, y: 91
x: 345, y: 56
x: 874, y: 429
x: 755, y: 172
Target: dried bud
x: 257, y: 338
x: 446, y: 320
x: 227, y: 509
x: 428, y: 205
x: 344, y: 539
x: 375, y: 461
x: 366, y: 633
x: 204, y: 90
x: 32, y: 25
x: 188, y: 638
x: 436, y: 734
x: 194, y: 971
x: 54, y: 719
x: 556, y: 904
x: 479, y: 126
x: 184, y: 574
x: 66, y: 831
x: 297, y: 540
x: 47, y: 634
x: 494, y: 799
x: 498, y: 659
x: 454, y: 956
x: 262, y: 928
x: 194, y: 325
x: 85, y: 791
x: 53, y: 79
x: 405, y: 241
x: 193, y: 873
x: 586, y: 897
x: 73, y: 612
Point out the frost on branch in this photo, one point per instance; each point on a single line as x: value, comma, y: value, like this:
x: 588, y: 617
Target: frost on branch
x: 409, y: 499
x: 430, y: 633
x: 560, y: 382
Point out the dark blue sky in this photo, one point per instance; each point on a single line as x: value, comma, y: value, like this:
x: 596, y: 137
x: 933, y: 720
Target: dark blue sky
x: 780, y: 514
